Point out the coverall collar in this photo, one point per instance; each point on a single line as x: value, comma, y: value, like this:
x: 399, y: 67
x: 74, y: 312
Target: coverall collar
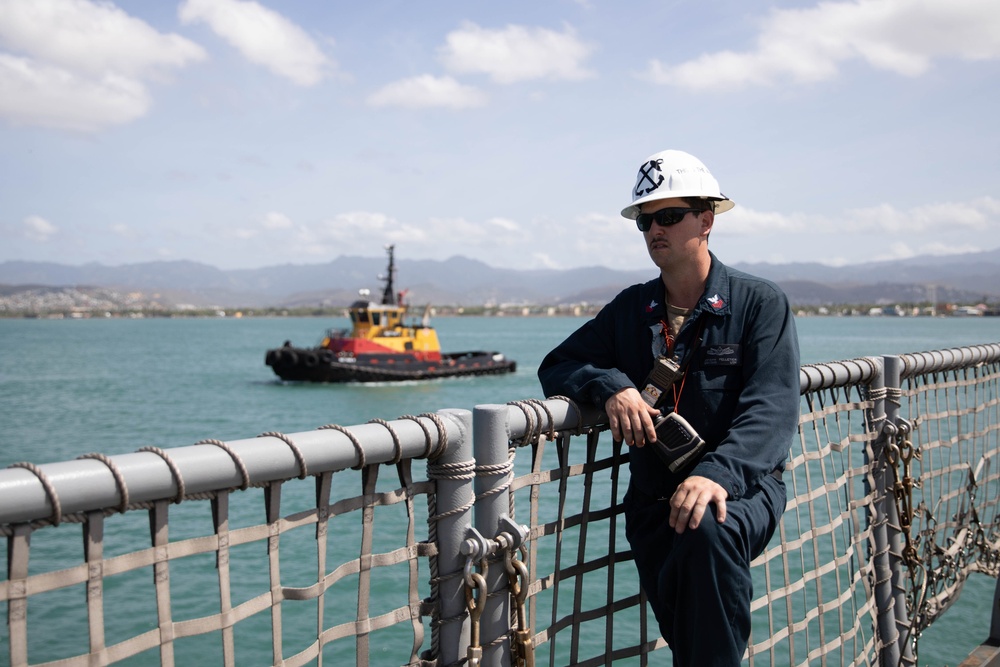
x: 715, y: 299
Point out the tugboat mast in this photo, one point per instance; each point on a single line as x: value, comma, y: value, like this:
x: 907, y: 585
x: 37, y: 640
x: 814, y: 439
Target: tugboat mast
x: 389, y: 293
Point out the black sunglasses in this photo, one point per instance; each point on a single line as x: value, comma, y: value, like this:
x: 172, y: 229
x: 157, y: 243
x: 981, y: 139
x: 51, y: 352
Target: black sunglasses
x: 664, y: 217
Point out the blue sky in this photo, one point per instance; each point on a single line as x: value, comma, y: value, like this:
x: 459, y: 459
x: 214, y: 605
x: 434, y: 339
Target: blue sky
x: 247, y: 134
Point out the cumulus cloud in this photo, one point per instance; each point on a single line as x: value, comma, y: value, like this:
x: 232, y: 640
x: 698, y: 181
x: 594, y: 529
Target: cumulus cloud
x: 37, y: 228
x: 743, y: 220
x: 904, y: 250
x: 498, y: 241
x: 421, y: 92
x: 90, y: 38
x: 504, y: 224
x: 80, y: 65
x: 809, y: 45
x: 598, y: 239
x: 263, y: 36
x: 349, y: 233
x: 275, y: 220
x: 516, y: 53
x: 123, y: 230
x: 33, y: 93
x: 272, y: 221
x: 975, y: 215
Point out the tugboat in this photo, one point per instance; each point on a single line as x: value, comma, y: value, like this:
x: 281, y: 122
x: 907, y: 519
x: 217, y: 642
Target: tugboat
x: 380, y: 347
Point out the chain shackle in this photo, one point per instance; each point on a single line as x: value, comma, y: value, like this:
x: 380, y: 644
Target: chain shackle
x: 475, y: 601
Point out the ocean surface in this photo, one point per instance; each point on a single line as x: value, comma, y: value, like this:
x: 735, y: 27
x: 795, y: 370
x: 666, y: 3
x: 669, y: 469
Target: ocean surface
x: 69, y: 387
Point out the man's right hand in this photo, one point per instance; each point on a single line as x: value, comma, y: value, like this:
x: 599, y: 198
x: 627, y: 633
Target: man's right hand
x: 631, y: 418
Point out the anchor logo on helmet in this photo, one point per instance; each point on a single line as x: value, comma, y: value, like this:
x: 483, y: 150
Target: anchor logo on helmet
x: 644, y: 175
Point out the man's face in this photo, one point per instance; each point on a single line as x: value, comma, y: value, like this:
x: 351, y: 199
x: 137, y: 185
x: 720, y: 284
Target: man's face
x: 674, y: 244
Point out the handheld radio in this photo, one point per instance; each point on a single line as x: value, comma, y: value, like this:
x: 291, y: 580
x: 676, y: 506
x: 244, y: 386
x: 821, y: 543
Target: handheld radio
x: 677, y: 443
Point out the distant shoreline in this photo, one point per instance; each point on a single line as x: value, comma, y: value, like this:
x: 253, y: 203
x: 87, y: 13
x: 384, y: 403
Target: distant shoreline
x: 515, y: 311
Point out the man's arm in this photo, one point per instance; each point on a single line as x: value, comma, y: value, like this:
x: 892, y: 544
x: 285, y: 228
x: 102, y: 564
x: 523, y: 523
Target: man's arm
x: 584, y: 367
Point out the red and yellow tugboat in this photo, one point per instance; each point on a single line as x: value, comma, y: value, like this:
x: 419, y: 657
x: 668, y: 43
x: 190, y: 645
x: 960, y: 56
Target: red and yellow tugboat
x: 380, y: 347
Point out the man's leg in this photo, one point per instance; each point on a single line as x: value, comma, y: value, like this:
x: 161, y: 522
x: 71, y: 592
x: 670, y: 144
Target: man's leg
x: 698, y: 582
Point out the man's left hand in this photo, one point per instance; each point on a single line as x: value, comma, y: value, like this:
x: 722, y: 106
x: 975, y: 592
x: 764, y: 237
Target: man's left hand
x: 691, y: 499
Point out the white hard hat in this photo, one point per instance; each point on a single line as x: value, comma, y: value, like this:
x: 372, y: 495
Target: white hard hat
x: 670, y: 174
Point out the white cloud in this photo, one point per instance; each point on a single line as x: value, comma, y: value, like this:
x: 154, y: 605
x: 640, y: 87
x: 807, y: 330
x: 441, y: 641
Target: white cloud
x: 90, y: 38
x: 352, y: 232
x: 504, y: 224
x: 270, y: 222
x: 33, y: 93
x: 516, y: 53
x: 427, y: 91
x: 809, y: 45
x: 974, y: 215
x: 37, y: 228
x: 904, y: 250
x: 275, y: 220
x: 263, y: 37
x: 544, y: 260
x: 79, y: 65
x: 743, y: 220
x: 596, y: 239
x: 498, y: 241
x: 978, y: 214
x: 124, y: 231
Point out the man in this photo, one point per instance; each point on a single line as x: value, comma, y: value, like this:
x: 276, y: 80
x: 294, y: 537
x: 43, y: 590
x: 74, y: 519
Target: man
x: 732, y: 337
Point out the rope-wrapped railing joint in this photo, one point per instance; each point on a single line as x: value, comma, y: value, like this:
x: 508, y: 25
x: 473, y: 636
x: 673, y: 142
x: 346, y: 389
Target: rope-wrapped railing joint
x: 237, y: 460
x: 397, y: 445
x: 123, y: 503
x: 175, y: 471
x: 359, y: 450
x: 50, y: 490
x: 296, y: 452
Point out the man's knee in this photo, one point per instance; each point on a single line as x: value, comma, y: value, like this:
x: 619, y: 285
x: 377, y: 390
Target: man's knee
x: 703, y: 544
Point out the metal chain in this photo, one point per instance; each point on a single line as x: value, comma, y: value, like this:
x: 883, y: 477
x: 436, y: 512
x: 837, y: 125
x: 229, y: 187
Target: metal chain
x: 523, y: 649
x: 900, y: 453
x: 475, y: 601
x: 901, y: 450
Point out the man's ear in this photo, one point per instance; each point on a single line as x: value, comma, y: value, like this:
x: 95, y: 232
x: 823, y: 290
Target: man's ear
x: 707, y: 220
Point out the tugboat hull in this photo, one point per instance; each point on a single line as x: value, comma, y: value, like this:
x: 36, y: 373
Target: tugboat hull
x: 294, y: 364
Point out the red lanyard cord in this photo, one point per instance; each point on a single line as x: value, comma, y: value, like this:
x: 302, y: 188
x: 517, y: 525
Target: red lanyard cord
x: 670, y: 340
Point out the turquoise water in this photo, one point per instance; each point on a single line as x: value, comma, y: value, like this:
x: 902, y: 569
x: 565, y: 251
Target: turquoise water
x: 68, y: 387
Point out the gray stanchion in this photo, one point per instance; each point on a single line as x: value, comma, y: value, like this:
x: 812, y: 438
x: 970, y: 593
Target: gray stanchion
x: 453, y: 473
x: 877, y: 519
x: 896, y: 609
x: 491, y: 441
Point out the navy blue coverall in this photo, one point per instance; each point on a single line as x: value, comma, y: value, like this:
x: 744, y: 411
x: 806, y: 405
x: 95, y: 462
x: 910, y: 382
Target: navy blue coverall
x: 741, y: 393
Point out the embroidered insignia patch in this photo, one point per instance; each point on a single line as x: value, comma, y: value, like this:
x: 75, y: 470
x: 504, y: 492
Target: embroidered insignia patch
x: 651, y: 306
x: 715, y: 301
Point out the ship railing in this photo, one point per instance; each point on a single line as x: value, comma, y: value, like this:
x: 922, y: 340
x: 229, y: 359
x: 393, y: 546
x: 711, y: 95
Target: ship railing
x: 893, y: 498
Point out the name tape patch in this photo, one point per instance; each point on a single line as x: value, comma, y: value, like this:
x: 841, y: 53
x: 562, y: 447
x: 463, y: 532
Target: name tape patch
x: 724, y: 354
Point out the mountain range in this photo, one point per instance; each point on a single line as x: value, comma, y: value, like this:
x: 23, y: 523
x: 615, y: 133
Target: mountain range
x: 970, y: 277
